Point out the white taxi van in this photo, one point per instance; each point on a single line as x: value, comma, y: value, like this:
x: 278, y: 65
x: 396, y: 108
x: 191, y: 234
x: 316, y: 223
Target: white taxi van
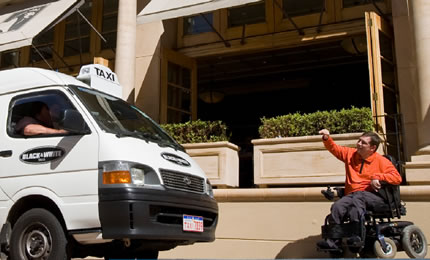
x: 113, y: 184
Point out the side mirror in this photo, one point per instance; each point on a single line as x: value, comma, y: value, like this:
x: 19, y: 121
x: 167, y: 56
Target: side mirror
x: 74, y: 122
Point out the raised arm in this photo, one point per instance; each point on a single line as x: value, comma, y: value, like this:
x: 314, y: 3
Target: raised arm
x: 338, y: 151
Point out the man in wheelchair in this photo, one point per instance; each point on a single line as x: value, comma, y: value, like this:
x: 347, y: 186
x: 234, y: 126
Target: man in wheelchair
x: 362, y: 200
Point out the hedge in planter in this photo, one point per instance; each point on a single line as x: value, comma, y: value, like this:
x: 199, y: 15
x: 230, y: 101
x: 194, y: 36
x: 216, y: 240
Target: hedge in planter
x: 207, y: 143
x: 197, y: 131
x: 351, y: 120
x: 299, y: 157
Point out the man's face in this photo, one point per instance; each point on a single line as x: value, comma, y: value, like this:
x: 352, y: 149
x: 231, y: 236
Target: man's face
x: 364, y: 148
x: 55, y: 111
x: 45, y: 116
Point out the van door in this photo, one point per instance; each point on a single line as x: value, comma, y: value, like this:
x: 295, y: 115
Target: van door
x: 61, y: 166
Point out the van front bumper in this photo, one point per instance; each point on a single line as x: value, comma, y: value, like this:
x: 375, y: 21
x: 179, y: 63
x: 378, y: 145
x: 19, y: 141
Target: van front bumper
x: 155, y: 214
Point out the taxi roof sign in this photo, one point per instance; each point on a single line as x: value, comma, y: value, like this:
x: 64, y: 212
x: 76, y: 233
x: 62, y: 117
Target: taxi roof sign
x: 101, y: 78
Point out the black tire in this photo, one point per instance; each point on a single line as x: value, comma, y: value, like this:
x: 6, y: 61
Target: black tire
x: 38, y: 234
x: 392, y: 249
x: 414, y: 242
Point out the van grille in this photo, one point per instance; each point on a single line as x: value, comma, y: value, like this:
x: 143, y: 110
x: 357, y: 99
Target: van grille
x: 182, y: 181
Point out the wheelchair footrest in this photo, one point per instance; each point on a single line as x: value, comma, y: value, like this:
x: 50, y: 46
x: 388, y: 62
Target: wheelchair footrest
x: 340, y: 230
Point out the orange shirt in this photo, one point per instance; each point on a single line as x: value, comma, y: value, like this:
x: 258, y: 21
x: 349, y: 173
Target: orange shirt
x: 375, y: 167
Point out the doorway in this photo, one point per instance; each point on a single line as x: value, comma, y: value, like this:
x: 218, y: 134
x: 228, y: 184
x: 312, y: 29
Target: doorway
x: 303, y: 79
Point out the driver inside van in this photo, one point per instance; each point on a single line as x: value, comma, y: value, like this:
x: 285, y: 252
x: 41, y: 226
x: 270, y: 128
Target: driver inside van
x: 39, y: 123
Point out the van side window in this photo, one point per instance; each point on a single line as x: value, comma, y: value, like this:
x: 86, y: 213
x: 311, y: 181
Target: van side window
x: 38, y: 114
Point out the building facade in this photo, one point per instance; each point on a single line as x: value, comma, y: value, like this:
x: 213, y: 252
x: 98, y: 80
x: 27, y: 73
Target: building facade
x: 239, y: 61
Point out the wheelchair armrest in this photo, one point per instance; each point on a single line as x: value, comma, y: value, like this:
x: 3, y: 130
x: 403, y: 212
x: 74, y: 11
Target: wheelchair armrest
x: 328, y: 193
x: 340, y: 191
x: 331, y: 194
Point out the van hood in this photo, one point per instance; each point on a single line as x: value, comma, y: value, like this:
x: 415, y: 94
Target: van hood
x: 148, y: 153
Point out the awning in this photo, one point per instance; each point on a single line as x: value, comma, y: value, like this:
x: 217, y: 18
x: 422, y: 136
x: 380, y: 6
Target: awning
x: 158, y: 10
x: 20, y: 20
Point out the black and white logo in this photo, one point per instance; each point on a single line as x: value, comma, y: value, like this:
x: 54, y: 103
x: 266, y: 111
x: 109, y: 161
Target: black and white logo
x: 187, y: 181
x: 175, y: 159
x: 42, y: 154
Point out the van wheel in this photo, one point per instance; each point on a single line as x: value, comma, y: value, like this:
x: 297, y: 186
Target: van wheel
x: 38, y: 234
x: 391, y: 249
x: 414, y: 242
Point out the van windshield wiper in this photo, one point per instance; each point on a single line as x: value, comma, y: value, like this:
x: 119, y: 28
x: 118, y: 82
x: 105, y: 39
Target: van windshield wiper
x: 172, y: 145
x: 134, y: 134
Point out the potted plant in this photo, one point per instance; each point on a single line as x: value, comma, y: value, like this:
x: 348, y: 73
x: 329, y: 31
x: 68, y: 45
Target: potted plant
x: 207, y: 142
x: 290, y: 151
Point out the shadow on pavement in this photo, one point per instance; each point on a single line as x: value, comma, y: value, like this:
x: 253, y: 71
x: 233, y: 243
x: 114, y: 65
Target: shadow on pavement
x: 303, y: 248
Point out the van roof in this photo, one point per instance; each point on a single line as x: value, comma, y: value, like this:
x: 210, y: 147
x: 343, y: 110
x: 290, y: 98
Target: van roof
x: 27, y: 78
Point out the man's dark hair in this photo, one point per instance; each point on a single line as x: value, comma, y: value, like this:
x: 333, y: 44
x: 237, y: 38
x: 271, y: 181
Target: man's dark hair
x: 374, y: 138
x: 36, y: 107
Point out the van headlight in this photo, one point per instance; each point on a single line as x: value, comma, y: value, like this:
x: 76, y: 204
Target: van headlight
x: 120, y: 172
x: 209, y: 190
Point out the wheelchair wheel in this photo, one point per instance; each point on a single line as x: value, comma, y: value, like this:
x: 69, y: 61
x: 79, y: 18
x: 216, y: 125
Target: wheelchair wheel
x: 414, y: 242
x: 391, y: 250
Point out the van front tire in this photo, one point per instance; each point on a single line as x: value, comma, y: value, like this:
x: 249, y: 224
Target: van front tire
x: 38, y: 234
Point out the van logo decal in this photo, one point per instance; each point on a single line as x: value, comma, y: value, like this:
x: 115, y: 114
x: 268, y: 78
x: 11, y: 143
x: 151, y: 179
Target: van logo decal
x: 187, y: 181
x: 175, y: 159
x: 42, y: 154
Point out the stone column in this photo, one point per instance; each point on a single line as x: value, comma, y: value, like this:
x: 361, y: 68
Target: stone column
x: 418, y: 170
x: 125, y: 58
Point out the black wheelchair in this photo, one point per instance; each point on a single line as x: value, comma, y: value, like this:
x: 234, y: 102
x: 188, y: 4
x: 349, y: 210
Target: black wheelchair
x: 380, y: 236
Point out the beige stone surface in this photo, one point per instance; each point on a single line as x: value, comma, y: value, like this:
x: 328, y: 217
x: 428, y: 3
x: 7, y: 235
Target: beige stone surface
x: 267, y: 230
x: 299, y: 160
x: 418, y: 172
x: 219, y: 160
x: 125, y: 55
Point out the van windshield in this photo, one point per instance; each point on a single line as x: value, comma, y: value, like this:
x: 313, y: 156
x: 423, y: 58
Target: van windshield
x: 116, y: 116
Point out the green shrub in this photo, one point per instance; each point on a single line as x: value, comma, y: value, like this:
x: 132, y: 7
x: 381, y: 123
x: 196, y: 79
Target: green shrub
x: 197, y: 131
x: 351, y: 120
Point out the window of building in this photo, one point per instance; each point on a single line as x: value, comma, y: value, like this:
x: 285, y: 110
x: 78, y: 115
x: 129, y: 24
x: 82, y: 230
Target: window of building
x: 109, y: 23
x: 248, y: 14
x: 77, y: 36
x: 44, y: 43
x: 198, y: 24
x: 178, y: 94
x: 9, y: 59
x: 352, y: 3
x: 299, y: 8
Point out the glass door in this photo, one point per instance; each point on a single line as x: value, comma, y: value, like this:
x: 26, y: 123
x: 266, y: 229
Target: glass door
x: 178, y: 88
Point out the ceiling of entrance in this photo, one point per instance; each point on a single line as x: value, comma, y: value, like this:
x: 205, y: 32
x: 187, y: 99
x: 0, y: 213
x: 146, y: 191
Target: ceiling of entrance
x: 291, y: 65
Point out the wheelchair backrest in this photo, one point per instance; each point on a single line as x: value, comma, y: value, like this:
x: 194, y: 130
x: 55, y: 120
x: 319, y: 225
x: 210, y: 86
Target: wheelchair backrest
x: 391, y: 195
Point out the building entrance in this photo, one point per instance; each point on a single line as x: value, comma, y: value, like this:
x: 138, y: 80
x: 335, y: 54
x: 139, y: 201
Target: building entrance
x: 267, y: 84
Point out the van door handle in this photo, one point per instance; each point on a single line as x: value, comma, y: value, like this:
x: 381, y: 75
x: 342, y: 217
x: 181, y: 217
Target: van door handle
x: 6, y: 153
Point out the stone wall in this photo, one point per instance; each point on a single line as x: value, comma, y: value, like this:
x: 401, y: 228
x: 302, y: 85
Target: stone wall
x: 282, y: 223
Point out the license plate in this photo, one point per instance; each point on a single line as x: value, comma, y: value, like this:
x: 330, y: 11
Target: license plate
x: 192, y: 223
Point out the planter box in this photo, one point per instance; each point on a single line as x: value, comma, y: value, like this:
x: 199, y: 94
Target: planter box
x: 219, y: 160
x: 299, y: 160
